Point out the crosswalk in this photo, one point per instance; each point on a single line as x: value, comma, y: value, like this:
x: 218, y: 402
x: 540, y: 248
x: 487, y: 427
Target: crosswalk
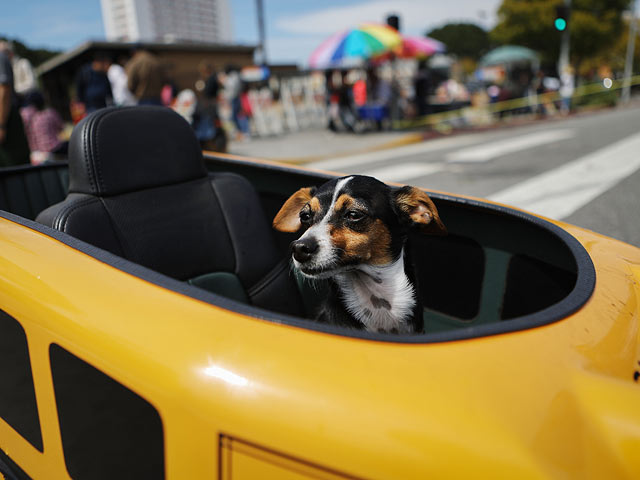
x: 556, y: 193
x: 492, y: 150
x: 405, y: 171
x: 560, y: 192
x: 351, y: 161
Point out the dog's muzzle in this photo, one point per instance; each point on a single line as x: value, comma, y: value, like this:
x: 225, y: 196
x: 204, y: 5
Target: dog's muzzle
x: 304, y: 249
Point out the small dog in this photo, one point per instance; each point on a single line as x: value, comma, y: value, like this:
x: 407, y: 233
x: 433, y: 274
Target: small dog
x: 355, y: 229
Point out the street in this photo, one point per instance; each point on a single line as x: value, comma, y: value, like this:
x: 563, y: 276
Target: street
x: 581, y: 169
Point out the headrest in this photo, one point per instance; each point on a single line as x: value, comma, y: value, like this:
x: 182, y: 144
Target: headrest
x: 123, y: 149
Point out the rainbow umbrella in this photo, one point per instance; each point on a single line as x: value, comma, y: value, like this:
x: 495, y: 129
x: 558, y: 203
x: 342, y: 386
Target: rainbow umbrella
x: 419, y: 47
x: 352, y: 46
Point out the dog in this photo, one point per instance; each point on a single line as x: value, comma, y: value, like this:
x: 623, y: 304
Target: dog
x: 354, y: 233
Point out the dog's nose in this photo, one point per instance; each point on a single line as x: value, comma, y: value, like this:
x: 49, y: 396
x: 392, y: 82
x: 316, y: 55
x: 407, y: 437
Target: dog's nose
x: 304, y: 249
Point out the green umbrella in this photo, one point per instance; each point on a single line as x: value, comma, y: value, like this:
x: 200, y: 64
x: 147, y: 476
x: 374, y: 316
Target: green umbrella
x: 509, y: 54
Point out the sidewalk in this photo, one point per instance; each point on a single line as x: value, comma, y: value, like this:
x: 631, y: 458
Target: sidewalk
x: 319, y: 144
x: 311, y: 145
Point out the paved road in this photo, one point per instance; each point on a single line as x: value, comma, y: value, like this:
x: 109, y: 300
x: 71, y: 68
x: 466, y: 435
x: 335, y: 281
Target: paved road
x: 583, y: 169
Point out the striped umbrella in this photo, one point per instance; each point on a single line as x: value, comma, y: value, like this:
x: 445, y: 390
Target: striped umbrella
x: 352, y: 46
x: 419, y: 47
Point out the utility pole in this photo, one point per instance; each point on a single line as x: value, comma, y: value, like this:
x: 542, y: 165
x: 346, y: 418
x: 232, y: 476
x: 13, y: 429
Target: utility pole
x: 628, y: 65
x: 563, y: 60
x: 261, y: 33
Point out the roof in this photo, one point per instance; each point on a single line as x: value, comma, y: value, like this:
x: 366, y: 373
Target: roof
x: 93, y: 45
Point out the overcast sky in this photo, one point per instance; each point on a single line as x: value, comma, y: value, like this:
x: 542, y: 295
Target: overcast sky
x: 294, y: 27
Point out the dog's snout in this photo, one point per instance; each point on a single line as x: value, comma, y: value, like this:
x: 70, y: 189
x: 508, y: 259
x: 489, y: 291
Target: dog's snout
x: 304, y: 249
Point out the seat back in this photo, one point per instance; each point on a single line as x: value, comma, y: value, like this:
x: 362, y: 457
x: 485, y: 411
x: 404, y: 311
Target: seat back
x: 26, y: 190
x: 138, y: 188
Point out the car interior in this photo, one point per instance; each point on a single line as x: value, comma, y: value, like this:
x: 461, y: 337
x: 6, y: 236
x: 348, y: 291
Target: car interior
x: 137, y: 185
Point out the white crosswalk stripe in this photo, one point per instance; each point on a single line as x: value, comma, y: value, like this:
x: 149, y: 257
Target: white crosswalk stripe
x: 340, y: 163
x: 486, y: 152
x: 404, y: 171
x: 560, y: 192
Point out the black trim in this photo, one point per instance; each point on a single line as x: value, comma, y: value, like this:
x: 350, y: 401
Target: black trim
x: 28, y: 168
x: 582, y: 291
x: 226, y: 442
x: 10, y: 469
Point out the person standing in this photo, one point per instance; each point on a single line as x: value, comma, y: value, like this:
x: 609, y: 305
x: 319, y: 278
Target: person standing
x: 43, y: 126
x: 567, y: 86
x: 14, y: 149
x: 422, y: 86
x: 232, y: 91
x: 118, y: 79
x: 145, y: 78
x: 92, y: 84
x: 24, y: 77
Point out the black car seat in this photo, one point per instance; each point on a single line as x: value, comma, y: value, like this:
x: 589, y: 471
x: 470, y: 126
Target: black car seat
x: 138, y: 187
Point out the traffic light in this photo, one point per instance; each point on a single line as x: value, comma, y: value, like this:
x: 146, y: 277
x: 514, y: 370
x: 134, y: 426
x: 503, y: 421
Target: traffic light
x: 561, y: 21
x: 394, y: 22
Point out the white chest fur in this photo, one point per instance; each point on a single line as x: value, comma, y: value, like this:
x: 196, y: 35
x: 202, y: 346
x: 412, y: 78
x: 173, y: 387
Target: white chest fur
x: 381, y: 297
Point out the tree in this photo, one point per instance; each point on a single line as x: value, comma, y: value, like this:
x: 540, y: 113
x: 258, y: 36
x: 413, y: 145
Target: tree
x: 35, y: 56
x: 593, y: 26
x: 614, y: 56
x: 462, y: 39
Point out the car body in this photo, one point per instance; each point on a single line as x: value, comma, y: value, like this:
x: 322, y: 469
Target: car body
x: 171, y: 381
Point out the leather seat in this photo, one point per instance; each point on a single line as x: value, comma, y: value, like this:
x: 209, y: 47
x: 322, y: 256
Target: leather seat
x: 138, y: 188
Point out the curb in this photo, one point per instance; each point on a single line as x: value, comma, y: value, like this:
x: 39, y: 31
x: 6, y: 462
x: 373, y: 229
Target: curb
x: 407, y: 139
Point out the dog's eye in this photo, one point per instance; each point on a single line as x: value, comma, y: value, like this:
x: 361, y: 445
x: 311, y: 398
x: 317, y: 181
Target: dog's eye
x: 354, y: 215
x: 305, y: 216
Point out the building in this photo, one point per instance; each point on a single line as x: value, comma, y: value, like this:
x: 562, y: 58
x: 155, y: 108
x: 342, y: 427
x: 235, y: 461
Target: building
x: 201, y: 21
x: 179, y: 62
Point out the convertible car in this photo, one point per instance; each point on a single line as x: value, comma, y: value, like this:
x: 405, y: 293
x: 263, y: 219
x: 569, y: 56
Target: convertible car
x: 151, y: 327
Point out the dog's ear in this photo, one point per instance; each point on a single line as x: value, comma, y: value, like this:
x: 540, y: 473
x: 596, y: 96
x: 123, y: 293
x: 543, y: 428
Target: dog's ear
x: 288, y: 218
x: 416, y: 207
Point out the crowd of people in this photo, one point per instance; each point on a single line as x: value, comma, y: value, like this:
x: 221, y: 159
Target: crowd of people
x: 33, y: 132
x: 362, y: 99
x: 141, y: 80
x: 375, y: 96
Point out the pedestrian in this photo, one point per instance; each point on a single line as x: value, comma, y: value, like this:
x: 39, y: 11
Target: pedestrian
x: 539, y: 87
x: 567, y: 86
x: 208, y: 84
x: 43, y: 126
x: 232, y: 91
x: 208, y: 87
x: 24, y: 77
x: 14, y: 148
x: 422, y: 85
x: 332, y: 100
x: 378, y: 98
x: 145, y: 78
x: 345, y: 103
x: 118, y: 80
x: 92, y: 84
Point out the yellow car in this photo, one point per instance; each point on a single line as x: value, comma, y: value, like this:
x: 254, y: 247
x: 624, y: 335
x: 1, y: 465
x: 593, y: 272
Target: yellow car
x: 151, y: 327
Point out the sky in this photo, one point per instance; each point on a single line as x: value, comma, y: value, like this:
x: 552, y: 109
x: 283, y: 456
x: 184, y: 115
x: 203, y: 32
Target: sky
x: 294, y: 28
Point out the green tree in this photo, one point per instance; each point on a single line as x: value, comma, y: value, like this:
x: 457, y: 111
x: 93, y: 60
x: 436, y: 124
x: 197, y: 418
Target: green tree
x: 594, y: 26
x: 35, y: 56
x: 462, y: 39
x: 614, y: 56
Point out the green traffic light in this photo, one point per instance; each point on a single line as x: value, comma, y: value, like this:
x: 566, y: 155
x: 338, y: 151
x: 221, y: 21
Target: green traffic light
x: 560, y: 24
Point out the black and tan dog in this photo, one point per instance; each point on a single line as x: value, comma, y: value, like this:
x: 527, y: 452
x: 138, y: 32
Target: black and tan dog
x: 355, y: 229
